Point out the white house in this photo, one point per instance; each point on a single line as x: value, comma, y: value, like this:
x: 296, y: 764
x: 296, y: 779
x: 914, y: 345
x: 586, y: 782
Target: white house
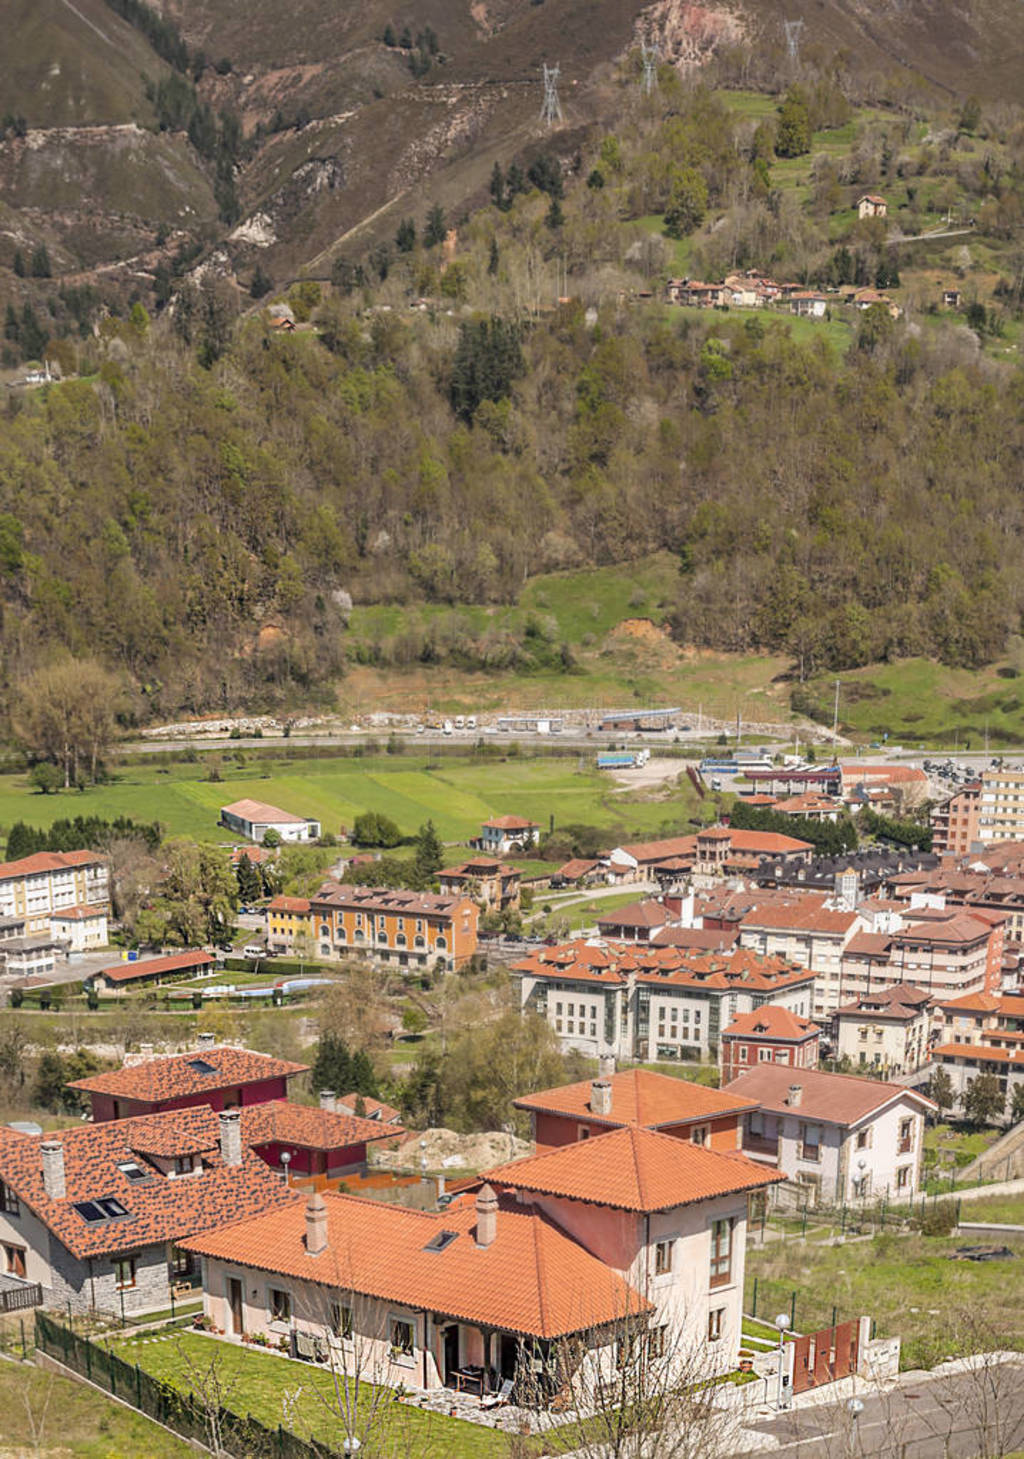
x: 53, y: 881
x: 503, y: 834
x: 532, y: 1278
x: 81, y: 929
x: 872, y: 205
x: 842, y: 1137
x: 254, y: 818
x: 886, y: 1030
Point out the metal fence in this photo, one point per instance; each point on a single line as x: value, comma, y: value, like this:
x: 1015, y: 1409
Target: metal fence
x: 217, y: 1428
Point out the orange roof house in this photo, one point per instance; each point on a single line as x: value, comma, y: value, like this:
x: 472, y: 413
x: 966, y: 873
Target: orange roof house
x: 574, y: 1242
x: 769, y: 1034
x: 216, y: 1076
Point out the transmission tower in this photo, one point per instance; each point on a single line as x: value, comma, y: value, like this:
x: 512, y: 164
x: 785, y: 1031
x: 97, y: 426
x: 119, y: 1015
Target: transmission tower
x: 649, y: 56
x: 793, y: 29
x: 551, y: 111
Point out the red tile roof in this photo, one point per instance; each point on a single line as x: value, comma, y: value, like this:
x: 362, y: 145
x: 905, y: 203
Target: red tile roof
x: 511, y: 823
x: 772, y: 1022
x: 280, y: 1122
x: 805, y: 915
x: 50, y: 861
x: 984, y: 1053
x: 706, y: 939
x: 479, y: 866
x: 613, y: 963
x: 377, y: 1111
x: 840, y: 1099
x: 160, y: 1208
x: 650, y: 913
x: 153, y: 967
x: 289, y: 904
x: 978, y: 1003
x: 956, y: 930
x: 532, y: 1279
x: 380, y: 899
x: 177, y: 1075
x: 639, y: 1097
x: 633, y: 1169
x: 78, y: 914
x: 579, y: 866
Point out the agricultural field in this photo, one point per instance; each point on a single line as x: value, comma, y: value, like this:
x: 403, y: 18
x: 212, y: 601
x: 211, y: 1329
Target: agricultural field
x: 456, y: 793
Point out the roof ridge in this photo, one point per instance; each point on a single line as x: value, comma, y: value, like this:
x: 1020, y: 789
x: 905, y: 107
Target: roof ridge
x: 640, y: 1182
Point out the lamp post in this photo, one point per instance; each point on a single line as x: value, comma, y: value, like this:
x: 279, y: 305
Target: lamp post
x: 782, y: 1323
x: 855, y: 1408
x: 286, y: 1160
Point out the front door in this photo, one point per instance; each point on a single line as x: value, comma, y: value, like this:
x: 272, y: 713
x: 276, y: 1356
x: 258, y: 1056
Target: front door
x: 235, y: 1303
x: 451, y: 1351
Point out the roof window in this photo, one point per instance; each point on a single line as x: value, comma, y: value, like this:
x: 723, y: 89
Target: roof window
x: 441, y: 1241
x: 106, y: 1209
x: 202, y: 1067
x: 133, y: 1170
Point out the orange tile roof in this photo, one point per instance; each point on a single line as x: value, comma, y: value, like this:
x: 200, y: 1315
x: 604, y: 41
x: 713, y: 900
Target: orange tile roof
x: 376, y: 1110
x: 160, y: 1209
x: 639, y: 1097
x: 975, y: 1002
x: 650, y: 913
x: 511, y: 823
x: 279, y: 1121
x: 176, y: 1075
x: 78, y: 914
x: 577, y: 867
x: 258, y: 811
x: 839, y: 1099
x: 633, y: 1169
x: 804, y: 915
x: 289, y: 904
x: 613, y: 963
x: 50, y: 861
x: 179, y: 962
x: 984, y: 1053
x: 532, y: 1279
x: 772, y: 1022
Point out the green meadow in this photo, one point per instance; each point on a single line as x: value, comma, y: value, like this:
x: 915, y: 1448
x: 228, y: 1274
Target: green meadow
x: 456, y: 793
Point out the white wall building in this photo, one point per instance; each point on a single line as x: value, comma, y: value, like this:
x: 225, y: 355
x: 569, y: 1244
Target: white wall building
x: 53, y: 881
x: 254, y: 818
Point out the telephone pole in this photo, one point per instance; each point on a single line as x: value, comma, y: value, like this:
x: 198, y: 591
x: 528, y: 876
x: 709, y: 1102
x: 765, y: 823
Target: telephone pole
x: 551, y: 109
x: 649, y: 56
x: 835, y: 716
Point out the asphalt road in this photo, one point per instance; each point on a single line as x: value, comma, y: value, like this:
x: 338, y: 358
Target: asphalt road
x: 975, y: 1415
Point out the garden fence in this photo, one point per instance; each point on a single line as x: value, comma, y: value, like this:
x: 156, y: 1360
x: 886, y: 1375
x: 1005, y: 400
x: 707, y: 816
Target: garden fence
x: 244, y: 1438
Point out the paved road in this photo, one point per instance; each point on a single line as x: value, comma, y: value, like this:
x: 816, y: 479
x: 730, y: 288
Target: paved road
x: 959, y: 1416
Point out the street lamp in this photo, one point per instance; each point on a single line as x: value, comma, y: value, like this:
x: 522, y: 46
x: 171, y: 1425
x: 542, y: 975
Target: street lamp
x: 286, y: 1160
x: 782, y: 1323
x: 855, y: 1408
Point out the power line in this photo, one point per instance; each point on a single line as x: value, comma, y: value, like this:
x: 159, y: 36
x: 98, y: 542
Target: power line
x: 551, y: 111
x: 793, y: 29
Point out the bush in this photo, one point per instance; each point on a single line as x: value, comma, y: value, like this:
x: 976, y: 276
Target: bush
x: 938, y: 1218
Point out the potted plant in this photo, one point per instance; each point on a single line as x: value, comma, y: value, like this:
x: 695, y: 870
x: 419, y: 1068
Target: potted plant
x: 746, y: 1360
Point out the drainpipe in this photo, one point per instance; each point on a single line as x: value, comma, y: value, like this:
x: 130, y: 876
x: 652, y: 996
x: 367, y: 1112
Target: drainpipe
x: 426, y: 1343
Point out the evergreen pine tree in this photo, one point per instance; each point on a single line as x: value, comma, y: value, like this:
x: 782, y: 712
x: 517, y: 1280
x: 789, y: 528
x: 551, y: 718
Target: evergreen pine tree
x: 249, y: 883
x: 434, y: 232
x: 333, y: 1065
x: 492, y: 262
x: 429, y: 853
x: 23, y: 840
x: 19, y: 264
x: 498, y: 186
x: 405, y: 238
x: 363, y: 1078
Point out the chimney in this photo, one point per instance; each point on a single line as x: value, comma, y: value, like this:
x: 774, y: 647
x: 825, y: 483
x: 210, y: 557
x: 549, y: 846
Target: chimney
x: 796, y: 1093
x: 601, y: 1097
x: 316, y: 1224
x: 205, y: 1041
x: 486, y: 1216
x: 53, y: 1170
x: 606, y: 1066
x: 328, y: 1099
x: 146, y: 1050
x: 231, y: 1137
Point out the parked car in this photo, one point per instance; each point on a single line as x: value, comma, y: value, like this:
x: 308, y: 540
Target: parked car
x: 254, y: 949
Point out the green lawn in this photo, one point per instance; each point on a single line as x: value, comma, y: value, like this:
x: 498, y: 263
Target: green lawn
x: 906, y: 1283
x: 1005, y: 1209
x: 262, y: 1384
x: 921, y: 702
x: 458, y: 794
x: 46, y: 1414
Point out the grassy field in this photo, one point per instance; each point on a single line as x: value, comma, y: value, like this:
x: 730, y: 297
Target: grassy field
x: 262, y: 1385
x: 906, y: 1283
x: 918, y: 701
x: 46, y: 1414
x: 458, y: 794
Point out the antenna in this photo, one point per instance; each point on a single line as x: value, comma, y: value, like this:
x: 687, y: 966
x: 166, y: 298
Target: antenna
x: 793, y: 29
x: 551, y: 111
x: 649, y: 56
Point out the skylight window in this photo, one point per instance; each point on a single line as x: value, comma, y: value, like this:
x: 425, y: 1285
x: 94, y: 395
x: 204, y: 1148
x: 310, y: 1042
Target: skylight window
x: 106, y: 1209
x: 133, y: 1170
x: 441, y: 1241
x: 202, y: 1067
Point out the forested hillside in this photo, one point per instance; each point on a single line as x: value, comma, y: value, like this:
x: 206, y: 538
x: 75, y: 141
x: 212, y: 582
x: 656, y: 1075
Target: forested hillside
x: 200, y: 509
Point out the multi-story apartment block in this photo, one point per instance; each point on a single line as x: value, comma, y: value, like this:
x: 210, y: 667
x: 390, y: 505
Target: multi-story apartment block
x: 53, y: 881
x: 642, y: 1002
x: 412, y: 929
x: 810, y: 932
x: 1001, y: 809
x: 886, y: 1030
x: 955, y: 821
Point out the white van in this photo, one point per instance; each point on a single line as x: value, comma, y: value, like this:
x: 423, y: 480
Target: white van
x: 471, y: 722
x: 254, y: 949
x: 446, y: 728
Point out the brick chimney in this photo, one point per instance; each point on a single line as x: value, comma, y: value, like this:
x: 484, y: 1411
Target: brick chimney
x: 316, y: 1224
x: 795, y: 1095
x: 231, y: 1136
x: 486, y: 1216
x: 328, y: 1099
x: 53, y: 1170
x: 606, y: 1066
x: 601, y: 1097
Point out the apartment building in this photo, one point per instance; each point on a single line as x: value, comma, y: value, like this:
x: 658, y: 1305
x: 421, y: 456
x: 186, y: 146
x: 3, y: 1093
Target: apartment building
x: 771, y: 1035
x: 642, y: 1002
x: 53, y: 882
x: 810, y: 932
x: 411, y: 929
x: 1001, y: 807
x: 946, y: 951
x: 886, y: 1030
x: 955, y: 822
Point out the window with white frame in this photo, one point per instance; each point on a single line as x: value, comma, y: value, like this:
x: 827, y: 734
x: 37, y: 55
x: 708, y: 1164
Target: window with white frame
x: 663, y: 1252
x: 716, y: 1323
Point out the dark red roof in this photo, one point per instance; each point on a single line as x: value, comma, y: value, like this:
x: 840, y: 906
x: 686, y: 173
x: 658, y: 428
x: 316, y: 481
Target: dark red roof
x: 180, y: 1075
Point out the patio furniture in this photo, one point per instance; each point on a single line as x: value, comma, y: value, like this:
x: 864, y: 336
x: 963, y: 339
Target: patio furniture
x: 469, y: 1380
x: 499, y: 1399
